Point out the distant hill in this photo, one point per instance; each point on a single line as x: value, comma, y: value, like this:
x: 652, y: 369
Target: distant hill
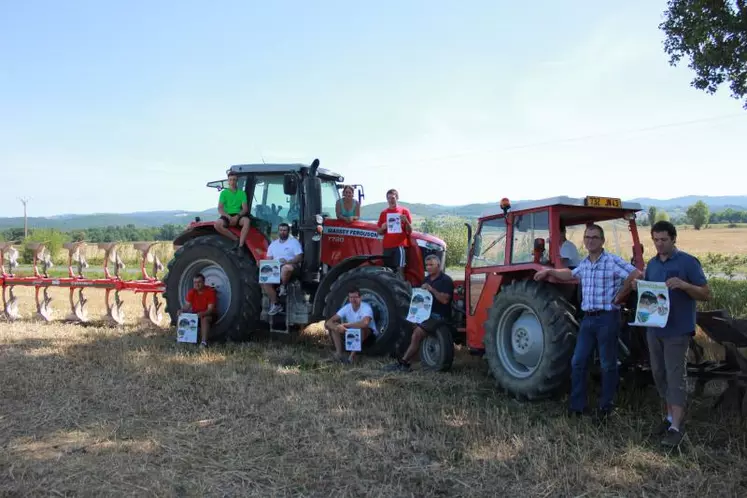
x: 675, y: 207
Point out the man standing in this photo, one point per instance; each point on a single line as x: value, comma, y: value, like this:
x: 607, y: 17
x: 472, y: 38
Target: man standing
x: 602, y: 275
x: 668, y: 346
x: 441, y: 286
x: 289, y: 252
x: 395, y: 241
x: 233, y: 208
x: 356, y: 314
x: 201, y: 300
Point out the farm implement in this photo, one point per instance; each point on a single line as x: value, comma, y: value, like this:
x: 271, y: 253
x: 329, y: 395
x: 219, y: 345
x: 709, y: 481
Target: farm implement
x: 77, y: 283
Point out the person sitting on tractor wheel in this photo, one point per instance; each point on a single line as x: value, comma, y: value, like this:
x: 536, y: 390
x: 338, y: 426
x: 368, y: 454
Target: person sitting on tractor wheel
x: 606, y: 280
x: 441, y: 286
x: 201, y: 301
x: 289, y: 252
x: 233, y: 208
x: 356, y: 314
x: 395, y: 223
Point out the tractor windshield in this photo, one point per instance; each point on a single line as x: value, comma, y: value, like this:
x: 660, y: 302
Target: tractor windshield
x: 270, y: 203
x: 330, y: 195
x: 618, y: 239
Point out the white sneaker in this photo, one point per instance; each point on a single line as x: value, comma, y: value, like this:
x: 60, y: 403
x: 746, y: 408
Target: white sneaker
x: 275, y: 309
x: 281, y: 290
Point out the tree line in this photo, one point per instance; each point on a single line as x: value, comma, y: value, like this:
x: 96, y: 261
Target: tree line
x: 698, y: 215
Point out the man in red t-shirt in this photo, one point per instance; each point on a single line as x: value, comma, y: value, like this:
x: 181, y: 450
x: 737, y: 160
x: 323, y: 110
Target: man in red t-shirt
x: 395, y: 223
x: 201, y: 300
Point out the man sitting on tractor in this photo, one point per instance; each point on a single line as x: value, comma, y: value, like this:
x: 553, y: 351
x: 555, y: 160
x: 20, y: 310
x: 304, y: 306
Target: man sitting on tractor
x: 289, y: 252
x: 356, y: 314
x: 441, y: 286
x: 233, y: 208
x: 201, y: 301
x: 395, y: 222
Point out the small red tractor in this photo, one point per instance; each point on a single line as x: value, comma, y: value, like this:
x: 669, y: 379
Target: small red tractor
x: 337, y: 255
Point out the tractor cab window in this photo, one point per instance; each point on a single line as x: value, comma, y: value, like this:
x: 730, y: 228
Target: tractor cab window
x: 330, y: 194
x: 269, y: 202
x: 528, y: 228
x: 490, y: 244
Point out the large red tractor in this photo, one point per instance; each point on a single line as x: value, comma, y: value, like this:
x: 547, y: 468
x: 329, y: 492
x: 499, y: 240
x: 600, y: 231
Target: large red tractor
x: 337, y: 255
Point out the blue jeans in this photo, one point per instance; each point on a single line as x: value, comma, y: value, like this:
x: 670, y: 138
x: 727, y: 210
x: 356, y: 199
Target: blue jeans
x: 603, y: 330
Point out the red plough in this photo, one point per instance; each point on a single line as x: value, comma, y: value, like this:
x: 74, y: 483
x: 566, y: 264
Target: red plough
x: 150, y: 286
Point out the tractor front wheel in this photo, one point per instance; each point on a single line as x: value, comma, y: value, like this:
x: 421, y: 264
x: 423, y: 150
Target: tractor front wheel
x: 234, y: 278
x: 529, y: 339
x: 437, y: 349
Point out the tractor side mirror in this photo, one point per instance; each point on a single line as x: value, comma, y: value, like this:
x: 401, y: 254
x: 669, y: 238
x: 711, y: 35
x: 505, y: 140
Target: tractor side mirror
x: 469, y: 242
x: 290, y: 184
x: 478, y: 245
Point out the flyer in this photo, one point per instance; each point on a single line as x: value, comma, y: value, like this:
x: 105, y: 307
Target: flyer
x: 420, y: 306
x: 393, y: 223
x: 353, y: 340
x: 269, y: 271
x: 652, y: 309
x: 187, y: 328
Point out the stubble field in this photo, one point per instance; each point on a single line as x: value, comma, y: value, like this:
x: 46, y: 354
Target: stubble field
x: 97, y: 410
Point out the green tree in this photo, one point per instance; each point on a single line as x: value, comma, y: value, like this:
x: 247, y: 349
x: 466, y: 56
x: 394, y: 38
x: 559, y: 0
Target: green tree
x: 712, y: 34
x: 52, y: 239
x: 698, y: 214
x: 660, y: 216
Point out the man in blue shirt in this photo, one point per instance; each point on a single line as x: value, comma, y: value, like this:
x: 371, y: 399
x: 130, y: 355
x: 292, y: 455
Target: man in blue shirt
x: 668, y: 346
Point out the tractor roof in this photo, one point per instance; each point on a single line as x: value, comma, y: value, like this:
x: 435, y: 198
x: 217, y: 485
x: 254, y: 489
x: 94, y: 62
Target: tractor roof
x: 561, y: 201
x: 281, y: 168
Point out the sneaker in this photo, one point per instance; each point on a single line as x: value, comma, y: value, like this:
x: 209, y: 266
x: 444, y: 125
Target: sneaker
x: 673, y: 438
x: 397, y: 367
x: 661, y: 428
x: 344, y: 360
x: 275, y: 309
x: 203, y: 345
x: 281, y: 290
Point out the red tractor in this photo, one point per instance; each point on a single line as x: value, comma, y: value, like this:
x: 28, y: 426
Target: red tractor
x: 525, y: 328
x: 337, y: 255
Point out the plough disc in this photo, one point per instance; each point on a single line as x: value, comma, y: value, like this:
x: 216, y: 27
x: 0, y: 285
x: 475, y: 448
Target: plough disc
x: 152, y: 312
x: 10, y: 305
x: 114, y: 310
x: 44, y: 306
x: 79, y: 307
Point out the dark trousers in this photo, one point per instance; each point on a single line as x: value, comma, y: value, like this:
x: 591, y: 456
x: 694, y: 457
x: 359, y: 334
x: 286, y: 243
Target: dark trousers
x: 601, y: 330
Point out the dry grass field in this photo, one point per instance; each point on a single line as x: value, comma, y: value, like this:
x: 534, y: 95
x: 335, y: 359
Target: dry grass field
x: 99, y: 411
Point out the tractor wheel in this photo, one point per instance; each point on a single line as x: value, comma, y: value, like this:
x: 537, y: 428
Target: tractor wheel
x: 234, y: 278
x: 437, y: 349
x: 389, y: 297
x: 529, y: 339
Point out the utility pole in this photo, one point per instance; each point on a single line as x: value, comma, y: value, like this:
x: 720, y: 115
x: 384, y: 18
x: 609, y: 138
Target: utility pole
x: 25, y: 219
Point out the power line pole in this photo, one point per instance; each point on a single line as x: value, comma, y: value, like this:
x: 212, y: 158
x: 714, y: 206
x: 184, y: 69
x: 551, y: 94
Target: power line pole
x: 25, y: 219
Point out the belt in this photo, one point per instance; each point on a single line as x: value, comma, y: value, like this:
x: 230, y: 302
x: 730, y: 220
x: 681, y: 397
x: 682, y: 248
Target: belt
x: 598, y: 312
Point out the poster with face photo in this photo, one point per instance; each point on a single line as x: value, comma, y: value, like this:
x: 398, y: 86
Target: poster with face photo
x: 393, y: 223
x: 421, y: 303
x: 269, y: 271
x: 652, y: 309
x: 353, y: 340
x: 186, y: 328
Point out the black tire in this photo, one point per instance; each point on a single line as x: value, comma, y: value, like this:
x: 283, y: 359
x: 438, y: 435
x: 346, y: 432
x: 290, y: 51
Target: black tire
x: 537, y: 304
x: 390, y: 292
x: 437, y: 349
x: 238, y: 313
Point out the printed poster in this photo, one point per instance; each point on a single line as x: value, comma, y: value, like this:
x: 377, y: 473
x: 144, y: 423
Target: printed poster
x: 653, y: 304
x: 186, y: 330
x: 393, y: 223
x: 421, y: 303
x: 353, y: 340
x: 269, y: 271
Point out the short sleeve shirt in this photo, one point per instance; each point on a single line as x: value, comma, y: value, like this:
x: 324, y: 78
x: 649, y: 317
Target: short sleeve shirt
x: 232, y: 201
x: 286, y: 250
x: 201, y: 300
x: 442, y: 283
x: 682, y: 308
x: 601, y: 280
x: 569, y: 251
x: 392, y: 240
x: 349, y: 315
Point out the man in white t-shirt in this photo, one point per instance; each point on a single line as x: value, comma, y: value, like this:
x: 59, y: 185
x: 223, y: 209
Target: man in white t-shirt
x: 568, y: 250
x: 289, y: 252
x: 354, y: 315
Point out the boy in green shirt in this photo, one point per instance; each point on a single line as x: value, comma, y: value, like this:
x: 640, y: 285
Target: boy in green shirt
x: 233, y: 208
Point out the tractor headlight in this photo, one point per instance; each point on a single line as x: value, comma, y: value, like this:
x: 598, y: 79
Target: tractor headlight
x: 319, y: 219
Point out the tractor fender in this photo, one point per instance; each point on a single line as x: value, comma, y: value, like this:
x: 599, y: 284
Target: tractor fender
x: 326, y: 284
x: 257, y: 243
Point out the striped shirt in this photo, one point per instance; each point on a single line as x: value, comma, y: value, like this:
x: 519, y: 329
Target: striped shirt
x: 600, y: 281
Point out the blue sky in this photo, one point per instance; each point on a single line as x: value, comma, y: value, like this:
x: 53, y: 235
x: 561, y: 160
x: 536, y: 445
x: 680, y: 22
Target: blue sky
x: 132, y: 106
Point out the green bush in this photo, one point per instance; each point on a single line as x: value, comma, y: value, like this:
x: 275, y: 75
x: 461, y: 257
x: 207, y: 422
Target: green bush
x: 53, y: 240
x: 452, y: 231
x: 730, y: 295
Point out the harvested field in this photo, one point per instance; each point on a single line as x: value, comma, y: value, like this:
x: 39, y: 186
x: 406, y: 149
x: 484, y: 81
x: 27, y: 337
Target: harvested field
x: 95, y: 410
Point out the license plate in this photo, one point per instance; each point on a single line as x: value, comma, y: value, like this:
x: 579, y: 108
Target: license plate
x: 603, y: 202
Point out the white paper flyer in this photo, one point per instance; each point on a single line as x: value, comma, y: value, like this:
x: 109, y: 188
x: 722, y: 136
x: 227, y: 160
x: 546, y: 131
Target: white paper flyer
x: 393, y: 223
x: 652, y: 309
x: 269, y: 271
x: 353, y: 340
x: 187, y: 328
x: 421, y: 303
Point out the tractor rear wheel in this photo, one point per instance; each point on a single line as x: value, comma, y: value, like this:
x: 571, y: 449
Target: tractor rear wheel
x: 234, y: 278
x: 388, y: 296
x: 529, y: 339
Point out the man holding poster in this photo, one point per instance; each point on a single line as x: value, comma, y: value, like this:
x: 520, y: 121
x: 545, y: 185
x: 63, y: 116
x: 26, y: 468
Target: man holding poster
x: 395, y: 222
x: 686, y: 283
